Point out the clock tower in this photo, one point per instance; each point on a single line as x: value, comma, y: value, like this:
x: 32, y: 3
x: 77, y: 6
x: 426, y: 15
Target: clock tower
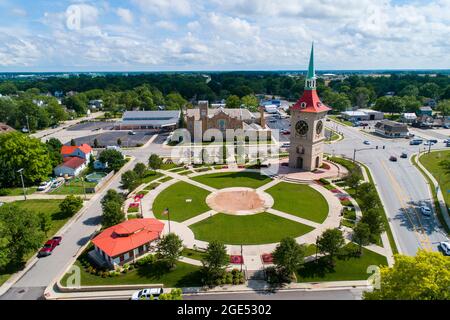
x: 307, y: 125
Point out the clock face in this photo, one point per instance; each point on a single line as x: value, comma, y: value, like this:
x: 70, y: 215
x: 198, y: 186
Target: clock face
x: 301, y: 127
x: 319, y: 127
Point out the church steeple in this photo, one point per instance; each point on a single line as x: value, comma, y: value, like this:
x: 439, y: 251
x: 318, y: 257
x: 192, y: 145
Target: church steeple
x: 310, y: 83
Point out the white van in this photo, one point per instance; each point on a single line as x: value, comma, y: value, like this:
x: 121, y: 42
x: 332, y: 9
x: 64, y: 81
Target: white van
x: 44, y: 185
x: 147, y: 294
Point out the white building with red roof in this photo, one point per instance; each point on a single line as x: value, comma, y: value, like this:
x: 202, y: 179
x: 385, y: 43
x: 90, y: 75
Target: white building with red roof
x: 127, y: 241
x: 75, y: 160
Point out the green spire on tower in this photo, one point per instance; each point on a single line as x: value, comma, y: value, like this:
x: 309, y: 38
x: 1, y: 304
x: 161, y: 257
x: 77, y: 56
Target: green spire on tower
x: 310, y: 83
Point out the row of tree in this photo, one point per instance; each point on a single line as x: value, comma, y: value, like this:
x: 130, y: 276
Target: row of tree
x: 22, y: 231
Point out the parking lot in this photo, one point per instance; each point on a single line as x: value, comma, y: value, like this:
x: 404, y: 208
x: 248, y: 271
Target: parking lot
x: 110, y: 138
x: 92, y: 125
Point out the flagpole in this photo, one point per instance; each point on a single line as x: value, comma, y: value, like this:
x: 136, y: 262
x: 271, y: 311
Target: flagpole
x: 168, y: 217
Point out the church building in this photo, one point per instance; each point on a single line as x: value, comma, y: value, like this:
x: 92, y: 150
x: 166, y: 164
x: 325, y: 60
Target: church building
x: 307, y: 123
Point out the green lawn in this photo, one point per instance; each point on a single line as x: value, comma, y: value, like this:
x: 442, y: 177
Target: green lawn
x: 74, y: 187
x: 431, y: 162
x: 341, y: 120
x: 346, y: 268
x: 36, y: 206
x: 233, y: 179
x: 299, y: 200
x: 174, y: 198
x: 16, y: 191
x: 151, y: 175
x: 252, y: 229
x: 184, y: 275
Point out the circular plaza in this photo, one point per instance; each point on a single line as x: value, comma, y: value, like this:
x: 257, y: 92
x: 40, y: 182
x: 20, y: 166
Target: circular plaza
x: 242, y: 208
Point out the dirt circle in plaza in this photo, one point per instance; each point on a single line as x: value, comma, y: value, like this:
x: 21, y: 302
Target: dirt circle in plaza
x: 239, y: 201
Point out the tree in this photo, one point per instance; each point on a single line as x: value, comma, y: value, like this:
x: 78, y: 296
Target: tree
x: 114, y: 158
x: 54, y: 148
x: 129, y: 180
x: 169, y: 248
x: 215, y: 261
x: 410, y: 90
x: 289, y: 256
x: 368, y: 196
x: 353, y: 179
x: 362, y: 96
x: 70, y: 205
x: 330, y: 242
x: 250, y: 102
x: 78, y: 103
x: 45, y: 221
x: 425, y: 276
x: 119, y: 142
x: 8, y: 88
x: 361, y: 235
x: 140, y: 169
x: 430, y: 90
x: 372, y: 217
x: 112, y: 196
x: 154, y: 162
x: 444, y: 107
x: 233, y: 101
x: 174, y: 294
x: 20, y: 234
x: 112, y: 214
x: 19, y: 151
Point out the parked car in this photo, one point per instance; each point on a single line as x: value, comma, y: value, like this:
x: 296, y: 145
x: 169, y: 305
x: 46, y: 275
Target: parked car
x: 272, y: 120
x: 44, y: 185
x: 286, y: 145
x: 285, y: 131
x: 433, y: 141
x: 131, y: 133
x: 147, y: 294
x: 393, y: 159
x: 425, y: 211
x: 404, y: 155
x: 56, y: 184
x: 363, y: 124
x: 48, y: 248
x: 416, y: 142
x: 445, y: 247
x: 367, y: 142
x: 57, y: 240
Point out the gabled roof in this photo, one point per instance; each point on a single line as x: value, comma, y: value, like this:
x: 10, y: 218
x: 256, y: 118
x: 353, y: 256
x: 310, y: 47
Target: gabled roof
x: 128, y: 235
x: 73, y: 162
x: 67, y: 150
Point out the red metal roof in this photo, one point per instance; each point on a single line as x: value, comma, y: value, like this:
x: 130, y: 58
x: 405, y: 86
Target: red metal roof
x: 73, y: 162
x: 310, y: 102
x: 85, y: 148
x: 128, y: 235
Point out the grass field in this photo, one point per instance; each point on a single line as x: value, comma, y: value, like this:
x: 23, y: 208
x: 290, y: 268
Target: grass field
x: 253, y: 229
x: 184, y: 275
x: 74, y: 187
x: 431, y: 162
x: 346, y: 268
x: 174, y: 198
x: 150, y: 175
x: 299, y: 200
x: 17, y: 191
x: 36, y: 206
x: 233, y: 179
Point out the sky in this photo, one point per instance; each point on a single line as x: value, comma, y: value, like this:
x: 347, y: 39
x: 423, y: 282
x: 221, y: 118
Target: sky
x: 197, y: 35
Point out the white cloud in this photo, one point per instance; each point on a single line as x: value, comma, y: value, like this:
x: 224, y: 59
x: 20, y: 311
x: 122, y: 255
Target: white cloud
x: 165, y: 7
x: 125, y: 15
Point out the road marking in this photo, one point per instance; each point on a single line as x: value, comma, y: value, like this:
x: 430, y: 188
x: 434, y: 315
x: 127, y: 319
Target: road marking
x: 422, y: 237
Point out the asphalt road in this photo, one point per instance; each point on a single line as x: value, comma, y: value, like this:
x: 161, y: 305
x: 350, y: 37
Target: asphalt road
x: 402, y: 187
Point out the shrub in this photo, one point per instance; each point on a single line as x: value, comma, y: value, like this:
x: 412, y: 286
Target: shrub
x: 324, y: 181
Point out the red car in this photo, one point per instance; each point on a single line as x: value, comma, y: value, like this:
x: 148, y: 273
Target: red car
x: 57, y: 239
x: 48, y: 248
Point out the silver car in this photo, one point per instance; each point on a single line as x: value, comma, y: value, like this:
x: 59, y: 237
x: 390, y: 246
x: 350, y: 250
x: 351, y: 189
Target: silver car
x: 425, y: 211
x: 147, y: 294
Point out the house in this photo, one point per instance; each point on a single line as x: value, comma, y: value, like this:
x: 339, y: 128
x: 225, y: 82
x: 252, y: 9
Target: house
x: 96, y: 104
x: 425, y: 111
x: 72, y: 166
x: 391, y: 129
x: 408, y: 118
x: 126, y: 241
x: 98, y: 165
x: 84, y: 151
x: 75, y: 160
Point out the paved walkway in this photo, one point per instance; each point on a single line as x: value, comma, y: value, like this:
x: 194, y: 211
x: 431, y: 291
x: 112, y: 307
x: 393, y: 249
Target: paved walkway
x: 187, y: 180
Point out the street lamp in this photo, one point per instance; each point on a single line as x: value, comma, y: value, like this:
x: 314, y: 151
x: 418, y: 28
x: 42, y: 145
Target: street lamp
x: 23, y: 184
x: 167, y: 212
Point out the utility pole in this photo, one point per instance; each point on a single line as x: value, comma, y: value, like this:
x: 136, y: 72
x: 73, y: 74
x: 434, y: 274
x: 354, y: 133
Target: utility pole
x: 23, y: 184
x: 28, y: 124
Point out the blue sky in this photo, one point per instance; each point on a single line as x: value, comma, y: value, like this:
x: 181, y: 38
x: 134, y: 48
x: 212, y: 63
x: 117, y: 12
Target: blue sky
x: 146, y: 35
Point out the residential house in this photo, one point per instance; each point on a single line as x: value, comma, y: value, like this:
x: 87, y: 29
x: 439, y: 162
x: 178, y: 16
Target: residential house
x: 75, y: 160
x: 83, y: 151
x: 391, y: 129
x: 126, y: 241
x: 425, y: 111
x: 409, y: 118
